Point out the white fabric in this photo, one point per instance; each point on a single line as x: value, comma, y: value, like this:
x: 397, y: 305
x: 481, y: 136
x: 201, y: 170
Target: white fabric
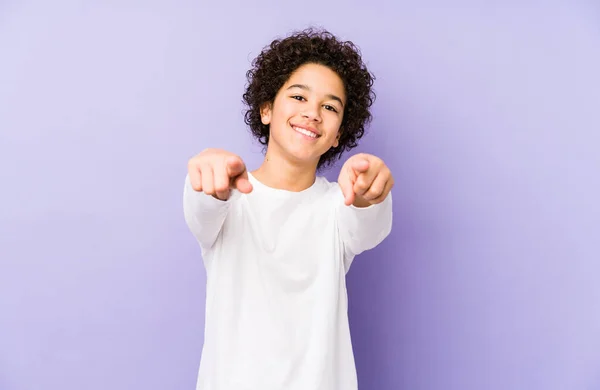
x: 276, y: 301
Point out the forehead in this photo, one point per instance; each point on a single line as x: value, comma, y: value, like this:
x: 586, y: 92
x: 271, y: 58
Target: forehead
x: 319, y: 78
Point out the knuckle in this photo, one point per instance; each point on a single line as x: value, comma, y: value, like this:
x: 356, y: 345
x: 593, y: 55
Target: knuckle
x: 375, y: 191
x: 192, y: 163
x: 195, y: 164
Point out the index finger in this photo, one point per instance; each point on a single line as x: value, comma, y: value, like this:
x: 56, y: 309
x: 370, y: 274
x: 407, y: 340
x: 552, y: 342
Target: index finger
x: 235, y: 166
x: 360, y: 165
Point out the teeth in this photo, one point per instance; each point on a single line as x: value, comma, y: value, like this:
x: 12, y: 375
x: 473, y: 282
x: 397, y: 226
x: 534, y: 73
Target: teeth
x: 305, y: 132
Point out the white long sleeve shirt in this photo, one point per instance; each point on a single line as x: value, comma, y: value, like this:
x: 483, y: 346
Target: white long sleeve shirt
x: 276, y: 302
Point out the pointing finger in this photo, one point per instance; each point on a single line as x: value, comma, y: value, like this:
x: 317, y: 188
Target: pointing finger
x: 360, y: 165
x: 235, y: 166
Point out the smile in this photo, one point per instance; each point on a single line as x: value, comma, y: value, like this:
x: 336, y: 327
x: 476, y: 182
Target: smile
x: 307, y: 133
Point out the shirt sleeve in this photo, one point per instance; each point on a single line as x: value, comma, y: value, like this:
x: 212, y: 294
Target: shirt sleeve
x: 204, y: 214
x: 363, y: 228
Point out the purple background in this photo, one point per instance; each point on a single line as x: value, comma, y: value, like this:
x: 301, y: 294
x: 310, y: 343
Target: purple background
x: 489, y: 117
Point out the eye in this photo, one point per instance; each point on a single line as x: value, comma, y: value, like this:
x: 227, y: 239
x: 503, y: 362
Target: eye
x: 298, y: 97
x: 330, y: 108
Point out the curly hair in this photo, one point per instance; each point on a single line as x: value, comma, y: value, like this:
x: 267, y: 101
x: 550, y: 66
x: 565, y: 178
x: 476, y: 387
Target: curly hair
x: 275, y: 64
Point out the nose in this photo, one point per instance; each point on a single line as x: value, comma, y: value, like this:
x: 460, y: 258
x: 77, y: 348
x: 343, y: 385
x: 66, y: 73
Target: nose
x: 312, y: 113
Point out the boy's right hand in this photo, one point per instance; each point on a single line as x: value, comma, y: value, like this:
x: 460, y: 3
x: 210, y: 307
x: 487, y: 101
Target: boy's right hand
x: 215, y: 172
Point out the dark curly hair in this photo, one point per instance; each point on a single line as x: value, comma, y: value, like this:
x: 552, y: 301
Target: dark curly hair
x: 275, y: 64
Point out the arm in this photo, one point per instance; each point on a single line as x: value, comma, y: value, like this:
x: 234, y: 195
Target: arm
x: 208, y: 193
x: 204, y: 214
x: 363, y: 228
x: 365, y: 215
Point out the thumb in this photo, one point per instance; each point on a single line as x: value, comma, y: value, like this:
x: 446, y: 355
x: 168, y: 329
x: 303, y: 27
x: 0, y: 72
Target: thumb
x: 235, y: 166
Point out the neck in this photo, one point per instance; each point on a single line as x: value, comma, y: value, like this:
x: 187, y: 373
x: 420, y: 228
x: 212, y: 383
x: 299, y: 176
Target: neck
x: 283, y: 174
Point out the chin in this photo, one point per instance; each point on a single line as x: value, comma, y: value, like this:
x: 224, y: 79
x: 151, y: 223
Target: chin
x: 305, y: 157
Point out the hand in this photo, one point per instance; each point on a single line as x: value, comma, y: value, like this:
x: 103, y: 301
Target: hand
x: 215, y: 172
x: 365, y: 180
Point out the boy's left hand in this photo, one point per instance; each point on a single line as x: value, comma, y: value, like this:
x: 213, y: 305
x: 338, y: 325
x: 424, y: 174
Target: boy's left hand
x: 365, y: 180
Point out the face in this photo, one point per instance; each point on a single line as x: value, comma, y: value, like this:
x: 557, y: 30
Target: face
x: 306, y: 115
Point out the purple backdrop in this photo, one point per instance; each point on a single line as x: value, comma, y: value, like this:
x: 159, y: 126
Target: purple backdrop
x: 488, y: 117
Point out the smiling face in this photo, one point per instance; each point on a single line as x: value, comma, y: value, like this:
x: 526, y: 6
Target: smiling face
x: 305, y: 117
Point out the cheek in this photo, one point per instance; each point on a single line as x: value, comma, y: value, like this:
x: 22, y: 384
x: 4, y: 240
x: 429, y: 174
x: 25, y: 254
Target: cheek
x: 337, y: 119
x: 333, y: 137
x: 284, y: 113
x: 334, y: 126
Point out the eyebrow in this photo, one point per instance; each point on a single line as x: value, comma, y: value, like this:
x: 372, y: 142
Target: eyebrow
x: 307, y: 88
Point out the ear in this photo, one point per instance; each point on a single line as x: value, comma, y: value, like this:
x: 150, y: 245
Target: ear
x: 337, y: 138
x: 265, y: 113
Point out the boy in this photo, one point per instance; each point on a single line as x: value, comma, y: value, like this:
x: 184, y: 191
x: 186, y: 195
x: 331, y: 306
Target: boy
x: 277, y: 242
